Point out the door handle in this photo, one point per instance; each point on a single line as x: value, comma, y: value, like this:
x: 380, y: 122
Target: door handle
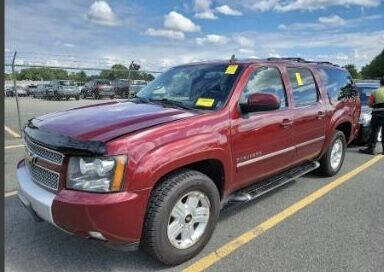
x: 286, y: 123
x: 320, y: 114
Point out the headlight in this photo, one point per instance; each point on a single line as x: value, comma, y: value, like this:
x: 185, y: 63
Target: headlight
x: 96, y: 174
x: 365, y: 118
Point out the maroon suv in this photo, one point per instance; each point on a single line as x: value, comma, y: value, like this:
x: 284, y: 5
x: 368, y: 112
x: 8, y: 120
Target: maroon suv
x: 155, y: 171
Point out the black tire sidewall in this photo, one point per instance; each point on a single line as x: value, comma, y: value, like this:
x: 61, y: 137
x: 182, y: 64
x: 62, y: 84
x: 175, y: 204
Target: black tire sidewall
x: 165, y: 251
x: 326, y: 161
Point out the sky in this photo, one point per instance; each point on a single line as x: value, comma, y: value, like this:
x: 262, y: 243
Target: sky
x: 158, y: 34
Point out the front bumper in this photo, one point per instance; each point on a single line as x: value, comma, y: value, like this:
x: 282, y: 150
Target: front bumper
x: 69, y: 93
x: 106, y: 92
x: 118, y: 217
x: 34, y: 198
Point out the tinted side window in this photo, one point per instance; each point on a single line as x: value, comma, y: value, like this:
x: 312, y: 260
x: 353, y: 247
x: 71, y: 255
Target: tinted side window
x: 338, y: 83
x: 265, y: 80
x: 303, y: 86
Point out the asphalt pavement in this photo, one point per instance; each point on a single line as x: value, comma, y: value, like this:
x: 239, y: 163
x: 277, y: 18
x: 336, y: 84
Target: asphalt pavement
x: 341, y: 231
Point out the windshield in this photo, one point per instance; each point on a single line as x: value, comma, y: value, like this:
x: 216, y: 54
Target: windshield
x: 365, y: 93
x: 203, y: 86
x: 67, y: 83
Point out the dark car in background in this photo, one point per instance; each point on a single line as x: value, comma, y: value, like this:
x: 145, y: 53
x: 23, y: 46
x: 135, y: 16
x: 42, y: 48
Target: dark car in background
x: 366, y: 87
x: 127, y: 89
x: 136, y: 86
x: 44, y: 91
x: 98, y: 88
x: 121, y: 87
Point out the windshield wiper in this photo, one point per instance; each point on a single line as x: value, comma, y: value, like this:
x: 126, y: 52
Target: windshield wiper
x: 143, y: 100
x: 178, y: 104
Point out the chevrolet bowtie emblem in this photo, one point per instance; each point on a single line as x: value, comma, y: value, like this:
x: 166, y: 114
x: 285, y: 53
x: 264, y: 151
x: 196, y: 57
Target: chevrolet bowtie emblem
x: 32, y: 158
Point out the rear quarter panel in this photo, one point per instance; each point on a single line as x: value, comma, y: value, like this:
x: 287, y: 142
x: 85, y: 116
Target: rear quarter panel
x: 344, y: 111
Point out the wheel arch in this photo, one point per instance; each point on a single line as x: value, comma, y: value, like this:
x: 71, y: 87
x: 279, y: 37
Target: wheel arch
x: 346, y: 128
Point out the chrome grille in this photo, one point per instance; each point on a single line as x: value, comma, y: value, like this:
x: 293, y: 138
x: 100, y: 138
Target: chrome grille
x: 44, y: 153
x: 44, y: 177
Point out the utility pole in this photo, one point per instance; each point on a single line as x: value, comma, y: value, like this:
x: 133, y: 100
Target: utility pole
x: 129, y: 79
x: 15, y: 90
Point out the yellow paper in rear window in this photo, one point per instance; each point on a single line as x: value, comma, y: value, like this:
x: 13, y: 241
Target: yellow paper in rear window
x: 205, y: 102
x: 298, y: 79
x: 231, y: 69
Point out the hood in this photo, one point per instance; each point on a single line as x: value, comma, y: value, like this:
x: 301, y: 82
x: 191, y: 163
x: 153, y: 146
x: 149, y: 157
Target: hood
x: 69, y: 87
x: 105, y: 87
x: 104, y: 122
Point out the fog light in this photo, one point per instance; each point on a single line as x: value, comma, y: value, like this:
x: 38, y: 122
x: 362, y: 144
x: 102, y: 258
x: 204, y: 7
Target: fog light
x: 96, y: 235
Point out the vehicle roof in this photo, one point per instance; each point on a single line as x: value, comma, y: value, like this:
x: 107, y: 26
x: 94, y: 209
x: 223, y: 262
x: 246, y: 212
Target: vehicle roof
x: 367, y: 84
x: 289, y: 61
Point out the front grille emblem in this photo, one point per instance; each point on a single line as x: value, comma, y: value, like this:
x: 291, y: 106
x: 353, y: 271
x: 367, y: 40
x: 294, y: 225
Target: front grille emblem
x: 32, y: 158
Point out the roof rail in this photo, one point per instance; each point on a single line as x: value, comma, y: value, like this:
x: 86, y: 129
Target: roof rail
x: 303, y: 61
x: 324, y: 62
x: 290, y: 59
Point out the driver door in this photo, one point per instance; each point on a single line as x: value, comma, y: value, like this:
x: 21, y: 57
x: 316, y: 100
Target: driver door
x: 262, y: 141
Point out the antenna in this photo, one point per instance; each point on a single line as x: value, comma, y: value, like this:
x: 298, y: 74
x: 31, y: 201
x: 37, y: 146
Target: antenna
x: 233, y: 59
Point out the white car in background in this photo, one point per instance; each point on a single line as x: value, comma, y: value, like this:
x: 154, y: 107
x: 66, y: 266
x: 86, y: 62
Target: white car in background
x: 21, y: 91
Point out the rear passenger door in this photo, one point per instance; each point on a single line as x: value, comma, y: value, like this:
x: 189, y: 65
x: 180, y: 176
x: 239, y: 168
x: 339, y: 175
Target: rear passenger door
x: 309, y: 113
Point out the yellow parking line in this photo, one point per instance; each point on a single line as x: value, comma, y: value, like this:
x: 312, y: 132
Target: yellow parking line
x: 248, y: 236
x: 12, y: 132
x: 8, y: 194
x: 13, y: 146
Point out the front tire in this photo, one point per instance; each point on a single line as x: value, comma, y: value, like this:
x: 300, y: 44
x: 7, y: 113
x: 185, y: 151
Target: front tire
x: 333, y: 159
x: 181, y: 216
x: 96, y: 95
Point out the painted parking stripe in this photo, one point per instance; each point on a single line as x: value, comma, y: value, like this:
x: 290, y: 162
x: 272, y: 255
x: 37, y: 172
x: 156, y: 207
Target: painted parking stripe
x: 13, y: 146
x: 12, y: 132
x: 248, y: 236
x: 8, y: 194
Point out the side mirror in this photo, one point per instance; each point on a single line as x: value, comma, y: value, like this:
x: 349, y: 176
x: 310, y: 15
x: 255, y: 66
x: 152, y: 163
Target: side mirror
x: 260, y: 102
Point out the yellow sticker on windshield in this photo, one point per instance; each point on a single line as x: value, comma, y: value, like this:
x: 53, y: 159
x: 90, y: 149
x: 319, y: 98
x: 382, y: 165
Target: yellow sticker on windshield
x: 231, y: 69
x: 298, y: 79
x: 205, y: 102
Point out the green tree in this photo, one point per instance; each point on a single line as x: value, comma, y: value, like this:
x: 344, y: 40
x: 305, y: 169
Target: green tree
x: 120, y: 71
x: 352, y: 70
x: 78, y: 77
x: 375, y: 69
x: 7, y: 76
x: 147, y: 77
x: 42, y: 74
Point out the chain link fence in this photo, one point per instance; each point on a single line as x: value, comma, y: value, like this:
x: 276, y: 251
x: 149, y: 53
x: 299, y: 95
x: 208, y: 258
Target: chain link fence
x: 34, y: 90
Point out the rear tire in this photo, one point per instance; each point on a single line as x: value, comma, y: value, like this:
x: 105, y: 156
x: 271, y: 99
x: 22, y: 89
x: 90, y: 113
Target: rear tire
x: 96, y: 95
x: 180, y: 186
x: 332, y: 160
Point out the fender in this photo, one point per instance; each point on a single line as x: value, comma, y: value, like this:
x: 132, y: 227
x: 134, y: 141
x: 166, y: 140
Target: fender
x: 174, y: 155
x: 339, y: 117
